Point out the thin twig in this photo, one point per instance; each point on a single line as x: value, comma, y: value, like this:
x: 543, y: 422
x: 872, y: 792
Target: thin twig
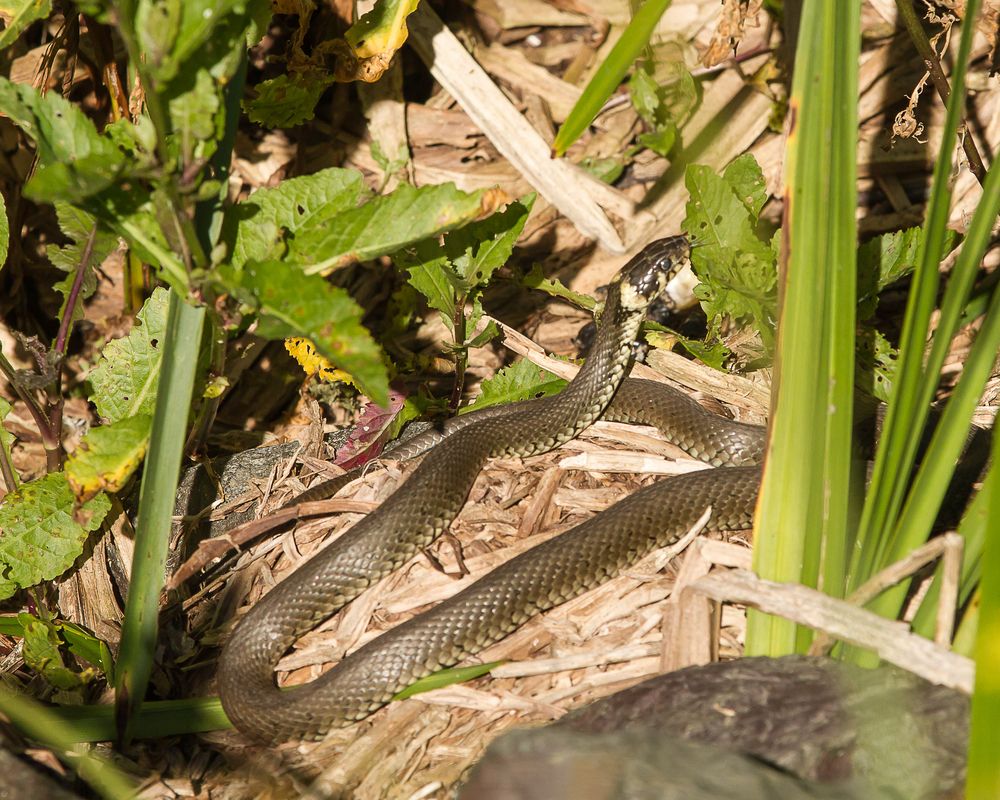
x: 54, y: 397
x: 930, y: 58
x: 461, y: 355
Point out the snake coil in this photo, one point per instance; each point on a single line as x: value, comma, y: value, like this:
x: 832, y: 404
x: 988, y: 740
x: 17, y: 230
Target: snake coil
x: 424, y: 506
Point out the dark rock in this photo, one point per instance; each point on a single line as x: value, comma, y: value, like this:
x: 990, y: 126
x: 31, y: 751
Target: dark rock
x: 834, y: 727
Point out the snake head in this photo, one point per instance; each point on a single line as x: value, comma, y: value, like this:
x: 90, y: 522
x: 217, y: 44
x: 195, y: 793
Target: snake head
x: 643, y: 278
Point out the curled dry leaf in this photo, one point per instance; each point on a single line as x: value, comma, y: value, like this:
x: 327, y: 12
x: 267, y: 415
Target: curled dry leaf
x: 734, y: 18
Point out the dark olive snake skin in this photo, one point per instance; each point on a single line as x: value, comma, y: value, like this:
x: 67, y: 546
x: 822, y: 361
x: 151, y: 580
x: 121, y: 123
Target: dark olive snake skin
x: 424, y: 506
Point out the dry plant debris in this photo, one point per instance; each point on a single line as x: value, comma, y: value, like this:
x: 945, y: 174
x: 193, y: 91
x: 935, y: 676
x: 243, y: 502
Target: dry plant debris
x: 496, y: 131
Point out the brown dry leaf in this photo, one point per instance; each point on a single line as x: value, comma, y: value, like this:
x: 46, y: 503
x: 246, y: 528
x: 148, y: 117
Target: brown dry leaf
x: 734, y: 18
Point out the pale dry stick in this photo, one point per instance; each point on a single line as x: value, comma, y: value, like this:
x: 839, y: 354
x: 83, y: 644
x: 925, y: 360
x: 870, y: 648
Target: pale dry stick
x: 732, y: 389
x: 460, y: 74
x: 890, y: 640
x: 948, y: 548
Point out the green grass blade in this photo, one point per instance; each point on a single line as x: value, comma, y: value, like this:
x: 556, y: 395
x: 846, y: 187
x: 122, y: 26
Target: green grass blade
x: 983, y: 771
x: 49, y: 728
x: 972, y: 529
x: 155, y: 719
x: 914, y: 385
x: 609, y: 75
x: 156, y: 505
x: 802, y: 513
x: 935, y: 473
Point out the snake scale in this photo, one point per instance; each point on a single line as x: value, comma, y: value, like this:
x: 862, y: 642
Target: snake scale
x: 539, y: 579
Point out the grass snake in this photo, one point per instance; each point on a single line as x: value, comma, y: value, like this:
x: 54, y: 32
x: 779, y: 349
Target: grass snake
x: 537, y: 580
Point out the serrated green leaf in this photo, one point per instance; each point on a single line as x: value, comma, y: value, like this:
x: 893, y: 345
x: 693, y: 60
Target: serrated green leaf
x: 42, y: 653
x: 126, y: 378
x: 292, y: 304
x: 108, y: 456
x: 522, y: 380
x: 255, y: 225
x: 430, y: 273
x: 535, y: 279
x: 714, y: 355
x: 745, y: 177
x: 19, y: 14
x: 288, y: 100
x: 43, y: 531
x: 480, y: 248
x: 74, y: 160
x: 76, y: 224
x: 384, y: 225
x: 737, y: 270
x: 196, y: 119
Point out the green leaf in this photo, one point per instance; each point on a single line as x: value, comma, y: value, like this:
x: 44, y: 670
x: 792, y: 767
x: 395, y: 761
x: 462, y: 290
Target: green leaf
x: 535, y: 279
x: 19, y: 14
x: 108, y: 456
x: 292, y: 304
x: 131, y: 213
x: 609, y: 74
x: 256, y: 224
x: 746, y: 179
x: 876, y: 364
x: 196, y: 118
x: 83, y: 644
x: 76, y: 224
x: 74, y: 160
x: 43, y: 531
x: 384, y: 225
x: 42, y: 653
x: 431, y: 274
x: 664, y: 93
x: 714, y: 355
x: 382, y: 30
x: 179, y: 32
x: 887, y: 258
x: 481, y: 248
x: 126, y: 378
x: 288, y: 100
x: 522, y: 380
x: 737, y: 269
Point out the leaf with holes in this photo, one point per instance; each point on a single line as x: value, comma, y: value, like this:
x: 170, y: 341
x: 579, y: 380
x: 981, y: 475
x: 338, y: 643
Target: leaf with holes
x: 737, y: 269
x: 255, y: 227
x: 126, y: 378
x: 44, y: 531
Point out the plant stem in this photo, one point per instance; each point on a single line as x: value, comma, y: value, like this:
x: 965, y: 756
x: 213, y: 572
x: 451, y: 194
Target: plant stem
x: 940, y: 81
x: 461, y: 355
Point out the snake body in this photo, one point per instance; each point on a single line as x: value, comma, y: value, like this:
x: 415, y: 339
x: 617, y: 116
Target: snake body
x: 424, y: 506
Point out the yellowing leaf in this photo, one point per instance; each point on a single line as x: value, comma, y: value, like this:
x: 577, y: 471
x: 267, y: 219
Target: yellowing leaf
x: 108, y: 456
x: 312, y: 363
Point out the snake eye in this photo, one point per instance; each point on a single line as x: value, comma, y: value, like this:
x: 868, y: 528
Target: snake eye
x: 648, y: 272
